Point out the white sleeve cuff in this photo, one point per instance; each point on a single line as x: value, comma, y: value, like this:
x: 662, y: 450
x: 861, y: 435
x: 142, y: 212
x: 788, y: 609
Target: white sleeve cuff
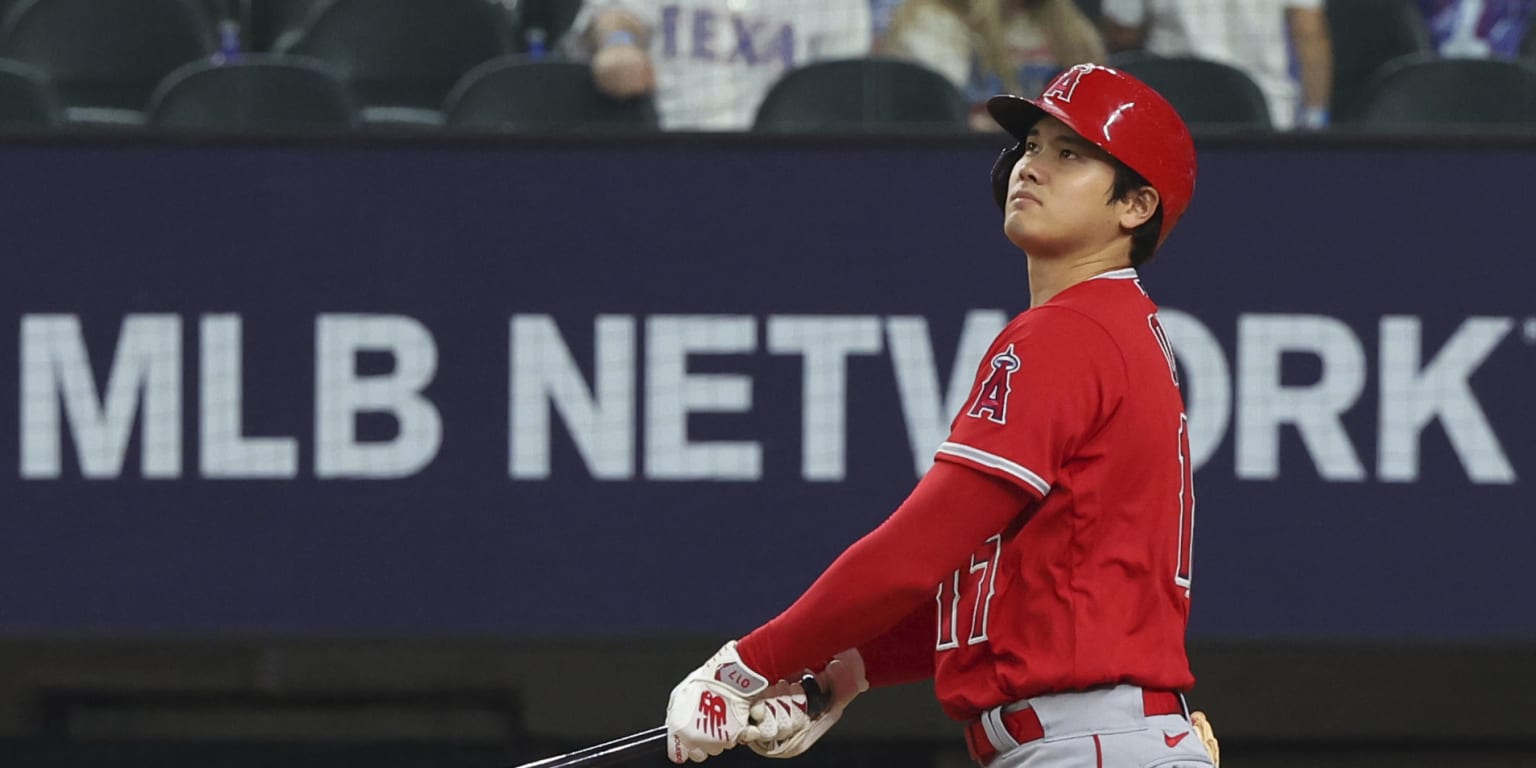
x: 993, y: 461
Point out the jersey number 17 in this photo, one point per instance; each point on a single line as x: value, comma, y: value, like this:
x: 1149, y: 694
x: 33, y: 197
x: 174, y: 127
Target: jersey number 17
x: 981, y: 577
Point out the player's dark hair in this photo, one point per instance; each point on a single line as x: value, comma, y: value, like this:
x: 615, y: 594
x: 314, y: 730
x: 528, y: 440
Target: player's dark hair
x: 1144, y: 237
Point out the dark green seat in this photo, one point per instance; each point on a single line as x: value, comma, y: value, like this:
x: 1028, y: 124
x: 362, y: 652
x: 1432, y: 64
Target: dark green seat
x: 254, y: 93
x: 859, y: 95
x: 105, y: 57
x: 1206, y: 93
x: 514, y: 94
x: 1427, y: 91
x: 26, y: 100
x: 401, y: 57
x: 1367, y: 34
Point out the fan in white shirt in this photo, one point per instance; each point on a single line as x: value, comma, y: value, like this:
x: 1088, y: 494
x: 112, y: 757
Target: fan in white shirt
x: 710, y: 62
x: 1256, y: 36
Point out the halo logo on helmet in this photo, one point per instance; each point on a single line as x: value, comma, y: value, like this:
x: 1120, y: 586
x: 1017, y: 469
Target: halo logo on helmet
x: 1117, y: 113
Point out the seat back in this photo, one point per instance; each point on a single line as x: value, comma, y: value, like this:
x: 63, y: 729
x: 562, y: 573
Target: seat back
x: 26, y: 99
x: 269, y: 21
x: 406, y: 53
x: 105, y: 53
x: 1424, y: 90
x: 862, y: 95
x: 515, y: 94
x: 1206, y: 93
x: 255, y: 93
x: 1367, y: 34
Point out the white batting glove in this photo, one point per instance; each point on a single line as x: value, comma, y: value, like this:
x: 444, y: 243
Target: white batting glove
x: 779, y: 713
x: 710, y: 708
x: 841, y: 681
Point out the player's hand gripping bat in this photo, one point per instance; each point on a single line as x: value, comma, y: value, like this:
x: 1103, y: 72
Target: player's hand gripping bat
x: 628, y: 747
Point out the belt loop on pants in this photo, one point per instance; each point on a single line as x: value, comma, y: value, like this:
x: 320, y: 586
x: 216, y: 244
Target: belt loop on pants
x: 990, y: 735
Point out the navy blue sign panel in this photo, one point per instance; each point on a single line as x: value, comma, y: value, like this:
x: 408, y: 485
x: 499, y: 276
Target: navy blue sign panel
x: 531, y: 391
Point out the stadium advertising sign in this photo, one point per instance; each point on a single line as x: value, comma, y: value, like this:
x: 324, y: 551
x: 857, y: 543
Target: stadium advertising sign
x: 428, y: 389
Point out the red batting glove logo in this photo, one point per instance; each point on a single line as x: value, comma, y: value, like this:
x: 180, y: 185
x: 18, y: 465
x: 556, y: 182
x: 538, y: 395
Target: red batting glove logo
x: 711, y: 718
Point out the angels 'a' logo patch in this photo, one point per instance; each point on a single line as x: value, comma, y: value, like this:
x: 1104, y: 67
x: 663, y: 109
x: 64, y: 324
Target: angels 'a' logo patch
x: 1065, y: 84
x: 992, y: 397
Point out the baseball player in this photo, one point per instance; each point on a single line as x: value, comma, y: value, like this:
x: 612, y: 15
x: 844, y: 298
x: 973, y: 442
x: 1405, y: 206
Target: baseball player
x: 1040, y: 571
x: 710, y: 62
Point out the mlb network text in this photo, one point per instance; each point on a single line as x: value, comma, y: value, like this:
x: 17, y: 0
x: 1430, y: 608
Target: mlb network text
x: 647, y: 357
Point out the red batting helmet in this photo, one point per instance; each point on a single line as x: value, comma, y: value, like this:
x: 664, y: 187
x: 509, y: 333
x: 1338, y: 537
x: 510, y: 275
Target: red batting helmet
x: 1120, y: 114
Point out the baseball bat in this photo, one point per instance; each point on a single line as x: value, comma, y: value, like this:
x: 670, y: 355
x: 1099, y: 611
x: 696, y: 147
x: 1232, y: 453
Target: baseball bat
x: 627, y: 748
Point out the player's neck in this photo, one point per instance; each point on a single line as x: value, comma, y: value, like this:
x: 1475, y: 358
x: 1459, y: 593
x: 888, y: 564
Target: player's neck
x: 1051, y: 275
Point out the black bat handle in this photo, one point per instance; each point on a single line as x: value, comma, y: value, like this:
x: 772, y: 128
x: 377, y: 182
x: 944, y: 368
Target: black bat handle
x: 817, y: 701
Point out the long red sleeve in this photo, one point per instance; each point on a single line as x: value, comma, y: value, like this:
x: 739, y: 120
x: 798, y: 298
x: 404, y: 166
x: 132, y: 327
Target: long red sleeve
x: 903, y: 653
x: 885, y: 576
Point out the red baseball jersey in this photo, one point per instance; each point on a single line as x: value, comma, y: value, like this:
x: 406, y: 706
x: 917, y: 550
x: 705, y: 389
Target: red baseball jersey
x: 1078, y: 401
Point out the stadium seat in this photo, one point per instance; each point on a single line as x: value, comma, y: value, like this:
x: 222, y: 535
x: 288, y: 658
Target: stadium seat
x: 546, y: 20
x: 270, y: 22
x: 256, y: 92
x: 1424, y: 90
x: 1206, y: 93
x: 104, y: 57
x: 862, y: 95
x: 514, y: 94
x: 401, y: 57
x: 26, y: 100
x: 1367, y: 34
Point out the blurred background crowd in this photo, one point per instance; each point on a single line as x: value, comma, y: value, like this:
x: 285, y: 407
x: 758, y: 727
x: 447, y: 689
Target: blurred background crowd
x: 734, y: 65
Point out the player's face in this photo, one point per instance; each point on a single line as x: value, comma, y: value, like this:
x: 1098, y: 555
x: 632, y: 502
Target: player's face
x: 1058, y: 196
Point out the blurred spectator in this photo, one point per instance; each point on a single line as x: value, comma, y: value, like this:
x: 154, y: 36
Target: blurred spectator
x: 710, y: 62
x: 881, y: 12
x: 1248, y: 34
x: 986, y: 47
x: 1478, y: 28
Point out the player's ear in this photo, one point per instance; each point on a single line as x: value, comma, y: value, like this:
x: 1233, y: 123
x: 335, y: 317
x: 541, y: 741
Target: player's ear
x: 1137, y: 207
